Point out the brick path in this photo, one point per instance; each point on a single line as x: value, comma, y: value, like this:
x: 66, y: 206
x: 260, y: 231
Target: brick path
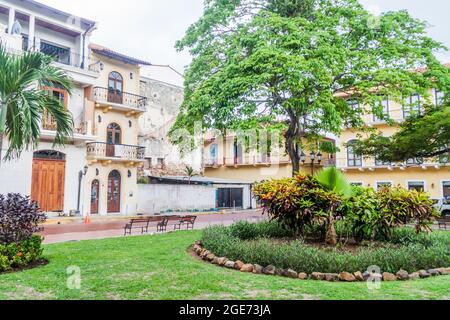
x: 114, y: 228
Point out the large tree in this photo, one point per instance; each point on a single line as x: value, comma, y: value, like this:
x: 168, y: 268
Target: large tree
x: 24, y: 99
x: 296, y: 62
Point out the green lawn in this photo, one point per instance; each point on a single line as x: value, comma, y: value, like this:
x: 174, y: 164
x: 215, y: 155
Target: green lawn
x: 159, y: 267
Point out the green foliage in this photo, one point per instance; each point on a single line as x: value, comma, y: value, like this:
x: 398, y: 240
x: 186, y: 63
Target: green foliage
x: 245, y: 230
x: 334, y: 180
x: 410, y: 256
x: 21, y: 254
x: 256, y: 61
x: 295, y: 202
x: 421, y: 136
x: 399, y: 206
x: 23, y: 100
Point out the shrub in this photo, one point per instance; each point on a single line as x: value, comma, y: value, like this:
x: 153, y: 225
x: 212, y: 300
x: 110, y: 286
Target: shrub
x: 295, y: 202
x: 399, y: 206
x: 268, y: 229
x: 20, y: 218
x: 411, y: 255
x: 21, y: 254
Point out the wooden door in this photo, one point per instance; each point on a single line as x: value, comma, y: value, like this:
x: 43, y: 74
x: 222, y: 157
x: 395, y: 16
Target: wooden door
x: 114, y: 191
x: 115, y: 88
x: 113, y: 138
x: 95, y: 193
x: 47, y: 187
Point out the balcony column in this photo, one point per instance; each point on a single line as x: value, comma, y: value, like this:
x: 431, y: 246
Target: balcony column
x: 31, y: 33
x: 12, y: 18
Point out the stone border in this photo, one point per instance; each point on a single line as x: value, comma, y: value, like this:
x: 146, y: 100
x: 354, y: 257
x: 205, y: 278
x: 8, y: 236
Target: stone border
x: 402, y: 275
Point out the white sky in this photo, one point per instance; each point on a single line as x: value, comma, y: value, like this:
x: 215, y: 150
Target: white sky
x: 148, y: 29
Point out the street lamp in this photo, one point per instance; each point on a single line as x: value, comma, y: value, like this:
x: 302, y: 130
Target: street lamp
x: 81, y: 174
x: 314, y: 158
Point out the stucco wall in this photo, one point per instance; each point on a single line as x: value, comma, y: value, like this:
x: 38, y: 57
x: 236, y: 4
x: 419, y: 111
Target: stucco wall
x: 153, y: 198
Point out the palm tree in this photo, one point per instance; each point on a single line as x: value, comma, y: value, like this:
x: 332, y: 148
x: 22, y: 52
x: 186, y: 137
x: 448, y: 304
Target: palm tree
x: 24, y: 99
x: 190, y: 173
x: 333, y: 180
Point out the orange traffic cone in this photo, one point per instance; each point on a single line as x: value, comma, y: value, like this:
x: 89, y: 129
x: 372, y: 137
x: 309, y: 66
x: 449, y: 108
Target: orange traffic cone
x: 87, y: 219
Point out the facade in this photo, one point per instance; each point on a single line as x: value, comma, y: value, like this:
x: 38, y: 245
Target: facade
x: 430, y: 175
x: 162, y: 158
x: 227, y: 158
x: 114, y: 157
x: 96, y: 173
x: 50, y: 175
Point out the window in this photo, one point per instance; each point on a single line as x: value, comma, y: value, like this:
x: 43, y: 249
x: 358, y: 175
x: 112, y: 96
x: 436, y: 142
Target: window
x: 114, y: 134
x: 148, y: 163
x: 356, y: 184
x: 381, y: 185
x: 353, y: 104
x: 415, y: 161
x: 353, y: 159
x: 446, y: 191
x: 48, y: 121
x: 62, y: 55
x: 161, y: 163
x: 416, y: 185
x: 438, y: 97
x: 214, y: 153
x: 414, y: 106
x: 380, y: 163
x: 385, y: 110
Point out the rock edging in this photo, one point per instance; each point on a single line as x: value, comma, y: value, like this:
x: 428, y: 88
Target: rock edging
x: 344, y: 276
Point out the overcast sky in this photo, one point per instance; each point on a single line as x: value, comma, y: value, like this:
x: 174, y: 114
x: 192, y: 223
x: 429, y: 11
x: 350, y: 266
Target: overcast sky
x: 148, y: 29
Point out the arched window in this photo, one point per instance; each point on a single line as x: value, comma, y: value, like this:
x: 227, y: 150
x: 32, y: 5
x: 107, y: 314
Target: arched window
x: 353, y: 159
x: 114, y: 134
x: 115, y: 87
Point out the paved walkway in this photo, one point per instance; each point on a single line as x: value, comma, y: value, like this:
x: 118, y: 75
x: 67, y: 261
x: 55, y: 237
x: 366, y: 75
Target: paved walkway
x: 114, y: 228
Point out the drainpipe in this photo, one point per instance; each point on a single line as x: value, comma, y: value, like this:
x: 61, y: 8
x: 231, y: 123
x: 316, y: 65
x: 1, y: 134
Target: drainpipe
x: 91, y: 28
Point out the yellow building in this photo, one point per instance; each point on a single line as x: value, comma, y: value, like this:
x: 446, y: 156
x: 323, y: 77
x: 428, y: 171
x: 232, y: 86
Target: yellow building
x: 430, y: 175
x: 227, y: 158
x: 114, y: 158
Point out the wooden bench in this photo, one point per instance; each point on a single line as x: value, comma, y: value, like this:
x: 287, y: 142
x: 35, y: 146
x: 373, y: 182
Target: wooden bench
x: 161, y: 225
x: 142, y: 224
x: 443, y: 222
x: 188, y: 221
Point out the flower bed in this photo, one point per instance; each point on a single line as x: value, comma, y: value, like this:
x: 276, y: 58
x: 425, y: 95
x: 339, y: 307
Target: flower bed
x: 262, y: 248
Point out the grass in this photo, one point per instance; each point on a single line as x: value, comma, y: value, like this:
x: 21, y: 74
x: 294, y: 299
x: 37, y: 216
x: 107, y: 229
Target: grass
x: 159, y: 267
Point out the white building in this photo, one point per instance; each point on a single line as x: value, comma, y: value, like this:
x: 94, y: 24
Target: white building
x: 42, y: 172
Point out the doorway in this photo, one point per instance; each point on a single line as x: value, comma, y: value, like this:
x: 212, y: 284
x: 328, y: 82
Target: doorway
x: 230, y: 198
x: 115, y: 88
x: 113, y: 139
x: 95, y: 194
x: 114, y: 192
x: 48, y: 179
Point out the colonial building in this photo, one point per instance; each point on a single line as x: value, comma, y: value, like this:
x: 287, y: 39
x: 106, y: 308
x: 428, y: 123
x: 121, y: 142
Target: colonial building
x: 229, y: 158
x: 114, y: 157
x: 430, y: 175
x: 48, y: 174
x: 96, y: 173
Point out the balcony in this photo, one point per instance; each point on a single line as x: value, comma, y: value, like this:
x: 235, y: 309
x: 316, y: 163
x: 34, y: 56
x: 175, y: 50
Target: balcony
x: 123, y: 101
x: 82, y: 130
x: 118, y: 153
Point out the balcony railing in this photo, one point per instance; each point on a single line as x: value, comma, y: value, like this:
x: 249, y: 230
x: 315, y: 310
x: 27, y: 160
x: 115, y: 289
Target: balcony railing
x: 118, y: 97
x: 79, y: 127
x: 118, y: 151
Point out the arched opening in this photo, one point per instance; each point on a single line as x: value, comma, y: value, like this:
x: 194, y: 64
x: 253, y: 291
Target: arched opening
x: 353, y: 159
x: 114, y: 191
x: 48, y: 179
x: 113, y: 138
x: 115, y: 87
x: 95, y: 195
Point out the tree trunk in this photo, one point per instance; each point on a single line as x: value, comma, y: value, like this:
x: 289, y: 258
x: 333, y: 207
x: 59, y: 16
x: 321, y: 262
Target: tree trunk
x: 1, y: 147
x: 331, y: 237
x: 291, y: 142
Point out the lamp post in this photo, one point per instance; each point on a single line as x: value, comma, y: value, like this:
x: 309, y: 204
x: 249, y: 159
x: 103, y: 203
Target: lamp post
x: 315, y: 158
x: 81, y: 174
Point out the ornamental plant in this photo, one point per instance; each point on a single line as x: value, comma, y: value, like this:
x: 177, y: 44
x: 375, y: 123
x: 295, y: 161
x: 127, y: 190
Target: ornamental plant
x: 297, y: 202
x: 20, y: 218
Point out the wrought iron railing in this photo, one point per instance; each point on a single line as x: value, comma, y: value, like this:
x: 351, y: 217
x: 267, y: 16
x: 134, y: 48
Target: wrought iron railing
x: 119, y: 97
x: 119, y: 151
